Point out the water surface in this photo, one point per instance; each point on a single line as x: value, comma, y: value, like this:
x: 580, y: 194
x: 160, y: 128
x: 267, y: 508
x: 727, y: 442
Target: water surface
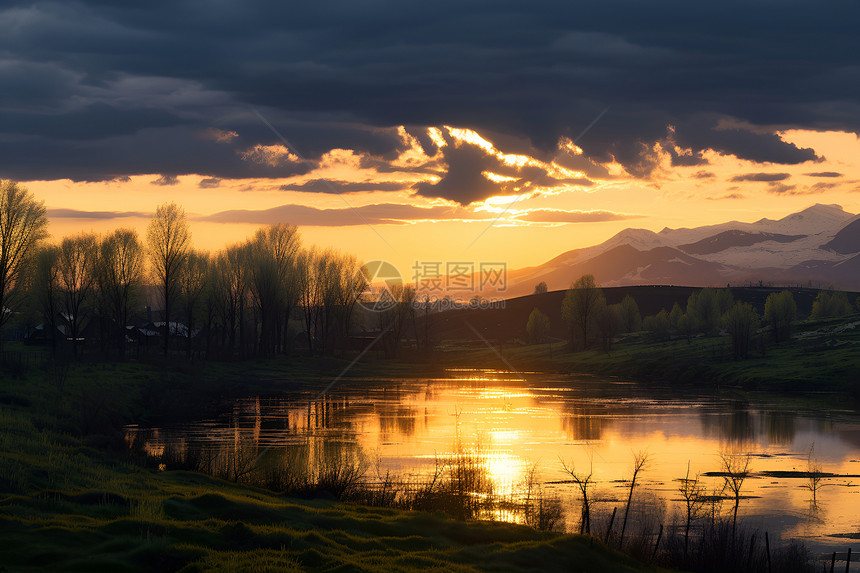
x: 515, y: 422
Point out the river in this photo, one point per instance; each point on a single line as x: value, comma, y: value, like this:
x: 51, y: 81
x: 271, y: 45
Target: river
x: 517, y: 422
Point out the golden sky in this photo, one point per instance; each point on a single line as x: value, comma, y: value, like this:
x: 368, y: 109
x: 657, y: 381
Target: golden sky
x: 537, y: 209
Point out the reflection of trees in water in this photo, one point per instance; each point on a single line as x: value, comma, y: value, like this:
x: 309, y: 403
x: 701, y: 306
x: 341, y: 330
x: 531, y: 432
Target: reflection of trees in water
x: 781, y: 427
x: 396, y: 419
x: 742, y: 427
x: 391, y: 406
x: 737, y: 426
x: 585, y: 421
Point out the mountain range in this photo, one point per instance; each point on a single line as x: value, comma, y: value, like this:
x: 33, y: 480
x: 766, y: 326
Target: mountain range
x: 819, y: 246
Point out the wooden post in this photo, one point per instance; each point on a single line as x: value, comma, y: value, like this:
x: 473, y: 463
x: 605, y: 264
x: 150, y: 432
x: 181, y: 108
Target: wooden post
x: 767, y: 546
x: 833, y: 562
x: 848, y: 560
x: 609, y: 529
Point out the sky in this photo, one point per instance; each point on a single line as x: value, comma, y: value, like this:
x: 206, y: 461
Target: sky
x: 445, y: 131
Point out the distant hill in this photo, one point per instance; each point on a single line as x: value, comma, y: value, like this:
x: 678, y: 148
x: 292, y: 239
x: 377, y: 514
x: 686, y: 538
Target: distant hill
x: 846, y: 241
x: 734, y: 238
x: 816, y: 247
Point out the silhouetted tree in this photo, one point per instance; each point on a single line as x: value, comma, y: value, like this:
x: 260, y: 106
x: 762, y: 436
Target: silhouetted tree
x: 23, y: 224
x: 725, y: 300
x: 310, y: 293
x: 234, y: 268
x: 704, y: 307
x: 169, y: 240
x: 540, y: 288
x: 740, y: 322
x: 675, y: 317
x: 578, y: 307
x: 45, y: 288
x: 780, y: 311
x: 537, y: 327
x: 631, y: 318
x: 120, y: 278
x: 272, y: 282
x: 77, y: 262
x: 606, y: 322
x: 830, y: 304
x: 396, y: 318
x: 658, y: 324
x: 192, y: 286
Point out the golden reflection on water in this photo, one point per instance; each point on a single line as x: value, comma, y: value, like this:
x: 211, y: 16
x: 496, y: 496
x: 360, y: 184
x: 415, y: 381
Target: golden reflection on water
x: 509, y: 423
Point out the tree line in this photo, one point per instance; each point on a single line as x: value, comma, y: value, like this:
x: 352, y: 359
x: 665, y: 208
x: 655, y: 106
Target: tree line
x: 237, y: 302
x: 590, y: 321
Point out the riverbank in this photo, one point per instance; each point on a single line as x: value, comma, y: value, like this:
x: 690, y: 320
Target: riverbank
x: 822, y: 356
x: 72, y: 499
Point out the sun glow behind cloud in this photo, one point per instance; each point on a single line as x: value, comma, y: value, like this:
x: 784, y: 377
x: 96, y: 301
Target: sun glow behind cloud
x: 532, y: 221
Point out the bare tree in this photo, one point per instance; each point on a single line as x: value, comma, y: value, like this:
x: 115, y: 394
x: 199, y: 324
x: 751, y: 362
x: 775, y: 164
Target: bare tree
x: 583, y: 481
x: 77, y: 273
x: 640, y: 459
x: 395, y: 319
x: 169, y: 240
x: 693, y: 493
x: 736, y: 468
x: 814, y: 474
x: 311, y: 293
x: 192, y: 284
x: 45, y: 288
x: 235, y: 269
x: 23, y: 224
x: 120, y: 278
x: 273, y: 250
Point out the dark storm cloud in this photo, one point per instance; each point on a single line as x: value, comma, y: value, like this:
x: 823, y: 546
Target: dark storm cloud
x: 465, y: 178
x: 166, y: 180
x: 760, y: 177
x: 97, y: 90
x: 330, y: 186
x: 464, y: 181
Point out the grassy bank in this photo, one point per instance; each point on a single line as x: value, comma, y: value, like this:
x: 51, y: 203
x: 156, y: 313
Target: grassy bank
x: 72, y: 500
x: 821, y: 356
